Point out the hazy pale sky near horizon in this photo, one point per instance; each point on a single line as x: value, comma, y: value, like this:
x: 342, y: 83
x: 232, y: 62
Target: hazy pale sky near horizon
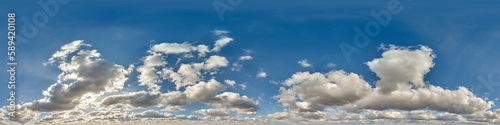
x: 262, y: 62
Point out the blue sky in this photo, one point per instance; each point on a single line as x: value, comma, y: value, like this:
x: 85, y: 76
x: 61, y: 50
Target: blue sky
x: 462, y: 34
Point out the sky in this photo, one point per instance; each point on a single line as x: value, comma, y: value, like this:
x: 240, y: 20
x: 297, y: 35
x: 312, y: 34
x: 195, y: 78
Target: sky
x: 253, y: 62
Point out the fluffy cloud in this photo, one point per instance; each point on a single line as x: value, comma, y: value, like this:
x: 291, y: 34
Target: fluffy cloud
x: 176, y: 48
x: 400, y: 66
x: 242, y: 104
x: 205, y: 91
x: 55, y: 118
x: 304, y: 63
x: 230, y: 82
x: 460, y: 101
x: 317, y: 90
x: 87, y: 73
x: 23, y: 114
x: 401, y: 87
x: 148, y: 74
x: 144, y: 99
x: 189, y: 74
x: 221, y: 42
x: 213, y: 112
x: 66, y: 50
x: 152, y: 114
x: 261, y: 74
x: 413, y: 115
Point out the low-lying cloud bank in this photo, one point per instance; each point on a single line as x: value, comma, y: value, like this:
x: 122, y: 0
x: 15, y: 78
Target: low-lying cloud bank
x: 91, y: 90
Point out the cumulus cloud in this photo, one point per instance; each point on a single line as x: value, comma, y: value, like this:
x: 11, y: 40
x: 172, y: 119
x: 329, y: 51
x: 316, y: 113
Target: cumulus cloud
x: 317, y: 90
x: 460, y: 101
x: 261, y: 74
x: 55, y: 118
x: 230, y: 82
x: 304, y: 63
x: 23, y: 114
x: 401, y: 87
x: 148, y: 74
x: 242, y: 104
x: 205, y: 91
x: 66, y: 50
x: 152, y: 114
x: 400, y: 66
x: 187, y: 74
x: 213, y: 112
x: 88, y: 74
x: 84, y: 74
x: 190, y: 74
x: 144, y: 99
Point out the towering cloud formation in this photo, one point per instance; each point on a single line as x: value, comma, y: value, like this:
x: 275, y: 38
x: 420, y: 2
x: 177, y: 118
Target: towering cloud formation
x: 87, y: 73
x: 400, y: 66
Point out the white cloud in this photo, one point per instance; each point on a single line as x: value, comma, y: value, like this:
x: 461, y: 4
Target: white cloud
x: 242, y: 104
x: 52, y: 119
x: 173, y: 48
x: 318, y: 90
x: 66, y: 50
x: 243, y: 86
x: 331, y: 65
x: 144, y: 99
x: 148, y: 74
x: 152, y: 114
x: 173, y: 109
x: 222, y: 41
x: 401, y: 88
x: 215, y: 62
x: 213, y: 112
x: 55, y: 118
x: 400, y: 66
x: 88, y: 74
x: 460, y: 101
x: 23, y: 114
x: 205, y: 91
x: 261, y: 74
x: 242, y: 58
x: 230, y: 82
x: 189, y: 74
x: 304, y: 63
x: 220, y: 32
